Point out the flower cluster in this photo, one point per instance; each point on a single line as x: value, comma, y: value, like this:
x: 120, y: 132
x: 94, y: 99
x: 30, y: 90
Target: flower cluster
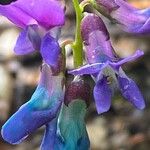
x: 105, y: 66
x: 62, y: 110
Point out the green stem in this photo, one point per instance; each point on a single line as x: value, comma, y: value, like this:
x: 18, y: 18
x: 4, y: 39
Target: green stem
x: 84, y: 3
x: 77, y: 45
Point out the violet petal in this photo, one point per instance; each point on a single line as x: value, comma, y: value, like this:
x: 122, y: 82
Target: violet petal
x: 131, y: 92
x: 133, y: 57
x: 146, y: 27
x: 89, y: 69
x: 27, y: 41
x: 50, y: 50
x: 102, y: 95
x: 125, y: 5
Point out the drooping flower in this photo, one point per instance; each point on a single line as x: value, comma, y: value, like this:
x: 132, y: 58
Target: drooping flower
x: 36, y: 18
x: 70, y: 132
x: 42, y: 108
x: 131, y: 19
x: 105, y: 66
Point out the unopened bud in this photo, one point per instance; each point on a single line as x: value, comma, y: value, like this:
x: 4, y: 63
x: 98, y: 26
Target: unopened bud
x: 77, y: 89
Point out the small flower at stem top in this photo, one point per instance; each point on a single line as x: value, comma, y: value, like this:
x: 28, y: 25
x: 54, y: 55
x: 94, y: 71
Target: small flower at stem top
x: 70, y: 133
x: 105, y: 66
x: 37, y: 19
x: 131, y: 19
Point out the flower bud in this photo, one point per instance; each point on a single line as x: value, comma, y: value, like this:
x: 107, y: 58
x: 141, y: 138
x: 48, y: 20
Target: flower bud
x: 77, y: 89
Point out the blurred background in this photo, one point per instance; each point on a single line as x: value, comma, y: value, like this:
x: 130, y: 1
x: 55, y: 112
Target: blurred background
x: 122, y: 128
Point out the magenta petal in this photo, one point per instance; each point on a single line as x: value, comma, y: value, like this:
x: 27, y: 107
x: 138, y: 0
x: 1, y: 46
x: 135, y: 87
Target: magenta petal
x: 17, y: 16
x: 89, y: 69
x: 102, y: 95
x: 133, y: 57
x: 131, y: 92
x: 50, y: 50
x: 48, y: 14
x: 27, y: 41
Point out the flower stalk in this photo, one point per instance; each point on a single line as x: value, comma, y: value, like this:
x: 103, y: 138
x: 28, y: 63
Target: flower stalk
x: 77, y: 45
x: 84, y: 3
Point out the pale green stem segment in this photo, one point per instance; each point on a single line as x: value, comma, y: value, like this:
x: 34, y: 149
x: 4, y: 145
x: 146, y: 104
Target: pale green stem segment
x: 63, y: 48
x: 64, y: 44
x: 84, y: 3
x: 77, y: 45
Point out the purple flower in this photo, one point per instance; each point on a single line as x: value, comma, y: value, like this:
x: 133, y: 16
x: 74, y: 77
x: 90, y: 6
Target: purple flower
x: 36, y: 19
x: 131, y: 19
x: 69, y: 131
x: 41, y: 109
x: 105, y: 66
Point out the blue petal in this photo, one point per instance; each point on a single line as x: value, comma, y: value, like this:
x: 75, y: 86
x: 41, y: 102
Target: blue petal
x: 84, y: 143
x: 71, y: 132
x: 50, y: 50
x: 131, y: 92
x: 41, y: 109
x: 89, y: 69
x: 102, y: 95
x: 48, y: 141
x: 29, y: 117
x: 28, y: 41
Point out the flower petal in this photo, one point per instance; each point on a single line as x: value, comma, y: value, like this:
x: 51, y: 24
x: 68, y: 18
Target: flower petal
x: 99, y: 49
x: 28, y: 41
x: 89, y: 69
x: 131, y: 92
x: 128, y: 17
x: 125, y: 5
x: 84, y: 142
x: 48, y: 141
x: 17, y: 16
x: 146, y: 27
x: 72, y: 126
x: 22, y: 13
x: 41, y: 109
x: 133, y: 57
x: 102, y: 95
x: 50, y: 50
x: 29, y: 118
x: 47, y: 14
